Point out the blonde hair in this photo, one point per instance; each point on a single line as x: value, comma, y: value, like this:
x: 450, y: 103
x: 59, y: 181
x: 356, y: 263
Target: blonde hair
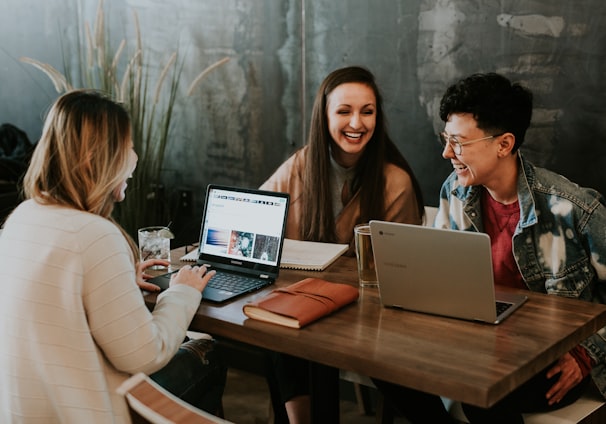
x: 82, y: 155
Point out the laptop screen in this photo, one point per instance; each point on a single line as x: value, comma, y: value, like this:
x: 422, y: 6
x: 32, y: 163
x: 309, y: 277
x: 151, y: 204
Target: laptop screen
x: 243, y: 227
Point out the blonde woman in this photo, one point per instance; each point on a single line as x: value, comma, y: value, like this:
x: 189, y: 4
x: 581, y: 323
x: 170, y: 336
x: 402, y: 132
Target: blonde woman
x: 72, y: 318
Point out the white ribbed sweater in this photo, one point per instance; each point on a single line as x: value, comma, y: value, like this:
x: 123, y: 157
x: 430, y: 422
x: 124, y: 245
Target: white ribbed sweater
x: 73, y: 324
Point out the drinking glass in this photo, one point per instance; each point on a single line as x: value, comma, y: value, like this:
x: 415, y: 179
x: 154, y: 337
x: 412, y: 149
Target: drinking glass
x: 154, y: 243
x: 366, y: 263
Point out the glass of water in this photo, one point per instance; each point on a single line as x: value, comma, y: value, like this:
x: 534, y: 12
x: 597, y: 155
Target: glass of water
x: 154, y: 243
x: 366, y: 263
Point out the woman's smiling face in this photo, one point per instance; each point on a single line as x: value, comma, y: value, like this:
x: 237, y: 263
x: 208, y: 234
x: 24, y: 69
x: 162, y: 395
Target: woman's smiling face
x: 120, y: 192
x: 352, y: 115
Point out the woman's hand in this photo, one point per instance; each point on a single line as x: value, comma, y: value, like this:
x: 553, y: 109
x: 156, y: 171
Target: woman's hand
x: 142, y: 276
x: 195, y: 276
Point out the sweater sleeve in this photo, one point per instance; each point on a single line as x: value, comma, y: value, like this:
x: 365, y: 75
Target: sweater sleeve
x: 400, y: 198
x: 132, y: 338
x: 286, y: 178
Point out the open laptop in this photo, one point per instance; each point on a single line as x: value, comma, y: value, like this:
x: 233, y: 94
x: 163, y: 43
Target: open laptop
x: 437, y: 271
x: 241, y: 237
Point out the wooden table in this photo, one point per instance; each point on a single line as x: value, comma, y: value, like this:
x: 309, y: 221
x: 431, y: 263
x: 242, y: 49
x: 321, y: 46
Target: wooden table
x: 465, y: 361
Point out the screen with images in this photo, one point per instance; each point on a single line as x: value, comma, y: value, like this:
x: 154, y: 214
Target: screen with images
x: 243, y: 225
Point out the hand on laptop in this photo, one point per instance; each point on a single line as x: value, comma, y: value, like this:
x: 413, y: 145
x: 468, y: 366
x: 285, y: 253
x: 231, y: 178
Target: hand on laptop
x: 142, y: 276
x: 195, y: 276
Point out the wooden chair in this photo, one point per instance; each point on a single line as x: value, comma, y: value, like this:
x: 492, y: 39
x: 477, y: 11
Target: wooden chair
x: 150, y: 403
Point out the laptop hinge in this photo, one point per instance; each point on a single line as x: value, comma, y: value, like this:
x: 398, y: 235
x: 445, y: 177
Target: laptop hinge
x: 265, y: 276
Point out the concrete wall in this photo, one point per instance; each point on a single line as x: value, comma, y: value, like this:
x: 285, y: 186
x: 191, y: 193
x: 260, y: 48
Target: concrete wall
x: 249, y: 115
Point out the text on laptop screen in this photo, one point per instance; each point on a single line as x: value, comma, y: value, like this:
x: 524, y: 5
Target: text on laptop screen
x: 243, y: 225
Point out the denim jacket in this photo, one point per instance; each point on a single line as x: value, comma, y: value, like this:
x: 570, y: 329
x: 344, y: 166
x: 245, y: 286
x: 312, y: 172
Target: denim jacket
x: 559, y: 244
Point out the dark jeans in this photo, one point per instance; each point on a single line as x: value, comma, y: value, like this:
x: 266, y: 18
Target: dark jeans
x: 195, y: 374
x: 530, y: 397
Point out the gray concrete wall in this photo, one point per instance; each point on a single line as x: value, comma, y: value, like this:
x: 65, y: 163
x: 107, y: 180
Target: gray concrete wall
x: 249, y: 115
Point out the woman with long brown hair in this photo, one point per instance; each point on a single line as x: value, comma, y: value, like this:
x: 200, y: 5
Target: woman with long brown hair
x: 348, y: 173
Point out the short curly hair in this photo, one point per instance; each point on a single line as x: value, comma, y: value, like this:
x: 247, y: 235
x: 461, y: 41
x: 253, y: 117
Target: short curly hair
x: 496, y: 104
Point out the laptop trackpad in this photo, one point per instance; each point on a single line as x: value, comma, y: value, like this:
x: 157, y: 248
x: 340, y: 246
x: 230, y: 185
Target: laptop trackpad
x: 162, y: 281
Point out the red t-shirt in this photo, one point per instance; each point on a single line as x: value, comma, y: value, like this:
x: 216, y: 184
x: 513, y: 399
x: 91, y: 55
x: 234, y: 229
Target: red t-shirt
x: 500, y: 222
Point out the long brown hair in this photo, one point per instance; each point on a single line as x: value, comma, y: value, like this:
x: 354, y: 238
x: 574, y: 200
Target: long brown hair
x: 318, y: 221
x: 82, y: 155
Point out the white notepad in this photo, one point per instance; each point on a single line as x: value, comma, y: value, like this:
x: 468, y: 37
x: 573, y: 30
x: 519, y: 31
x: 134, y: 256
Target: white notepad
x: 310, y: 255
x: 191, y: 256
x: 298, y: 254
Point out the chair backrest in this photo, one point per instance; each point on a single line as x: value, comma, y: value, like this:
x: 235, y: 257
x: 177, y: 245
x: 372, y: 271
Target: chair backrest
x: 148, y: 402
x: 430, y: 215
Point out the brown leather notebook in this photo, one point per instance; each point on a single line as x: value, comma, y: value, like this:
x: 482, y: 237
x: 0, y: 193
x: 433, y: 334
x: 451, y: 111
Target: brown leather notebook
x: 301, y: 303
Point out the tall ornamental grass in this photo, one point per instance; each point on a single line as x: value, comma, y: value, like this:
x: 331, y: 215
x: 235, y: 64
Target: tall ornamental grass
x: 128, y: 80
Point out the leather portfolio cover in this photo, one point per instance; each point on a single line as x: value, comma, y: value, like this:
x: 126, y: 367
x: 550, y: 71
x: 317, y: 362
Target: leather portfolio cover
x: 301, y: 303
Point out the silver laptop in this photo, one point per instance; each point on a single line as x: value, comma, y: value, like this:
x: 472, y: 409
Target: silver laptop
x: 241, y: 237
x: 437, y: 271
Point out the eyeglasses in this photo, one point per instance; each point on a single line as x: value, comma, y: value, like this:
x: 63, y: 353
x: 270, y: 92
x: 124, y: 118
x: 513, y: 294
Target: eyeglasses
x: 457, y: 146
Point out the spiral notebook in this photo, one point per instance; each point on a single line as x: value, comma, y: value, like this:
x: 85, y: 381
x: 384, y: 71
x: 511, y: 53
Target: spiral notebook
x: 310, y: 255
x: 299, y: 254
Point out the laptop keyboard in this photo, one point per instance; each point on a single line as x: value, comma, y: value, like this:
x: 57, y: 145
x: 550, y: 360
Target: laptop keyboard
x: 233, y: 283
x: 502, y: 307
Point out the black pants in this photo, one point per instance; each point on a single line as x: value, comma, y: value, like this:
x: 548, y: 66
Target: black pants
x: 287, y: 377
x: 416, y: 406
x: 530, y: 397
x: 420, y: 407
